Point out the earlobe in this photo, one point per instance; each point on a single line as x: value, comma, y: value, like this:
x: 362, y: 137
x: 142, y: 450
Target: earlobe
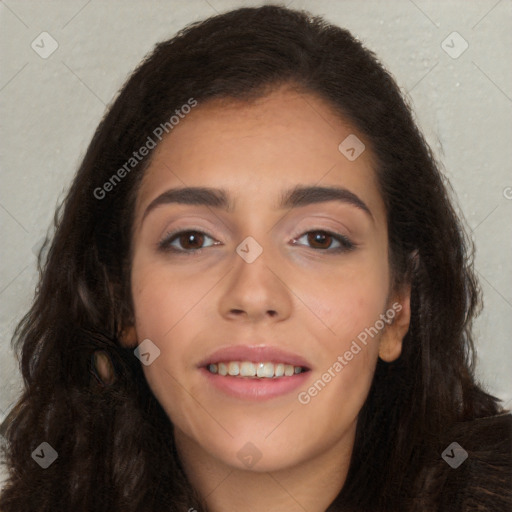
x: 128, y: 337
x: 390, y: 346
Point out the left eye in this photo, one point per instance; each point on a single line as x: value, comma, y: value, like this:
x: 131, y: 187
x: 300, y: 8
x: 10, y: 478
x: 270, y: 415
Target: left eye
x: 320, y: 239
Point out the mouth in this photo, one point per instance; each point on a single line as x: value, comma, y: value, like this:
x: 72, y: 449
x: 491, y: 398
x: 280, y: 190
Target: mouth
x: 254, y: 372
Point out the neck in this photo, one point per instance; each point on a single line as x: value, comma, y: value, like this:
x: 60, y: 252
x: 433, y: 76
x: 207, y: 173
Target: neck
x: 311, y: 485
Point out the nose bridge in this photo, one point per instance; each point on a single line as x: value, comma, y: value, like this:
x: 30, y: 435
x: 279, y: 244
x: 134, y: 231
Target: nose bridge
x: 254, y: 289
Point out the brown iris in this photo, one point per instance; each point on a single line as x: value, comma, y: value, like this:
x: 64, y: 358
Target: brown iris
x: 195, y: 238
x: 319, y: 238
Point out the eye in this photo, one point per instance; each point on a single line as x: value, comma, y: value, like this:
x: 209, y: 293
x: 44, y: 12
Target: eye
x: 188, y: 240
x: 323, y: 240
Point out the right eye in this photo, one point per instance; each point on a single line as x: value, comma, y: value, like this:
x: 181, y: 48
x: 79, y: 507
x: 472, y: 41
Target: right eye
x: 185, y: 241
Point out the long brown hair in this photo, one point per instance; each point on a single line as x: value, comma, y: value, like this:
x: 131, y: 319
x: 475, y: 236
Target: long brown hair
x: 114, y: 442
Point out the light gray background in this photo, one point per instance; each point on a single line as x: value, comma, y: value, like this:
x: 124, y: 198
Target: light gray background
x: 50, y: 108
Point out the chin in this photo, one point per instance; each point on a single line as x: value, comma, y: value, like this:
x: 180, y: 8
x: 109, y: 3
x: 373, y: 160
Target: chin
x: 270, y: 461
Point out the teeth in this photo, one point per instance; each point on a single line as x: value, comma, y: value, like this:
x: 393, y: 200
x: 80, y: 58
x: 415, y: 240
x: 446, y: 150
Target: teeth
x: 265, y: 370
x: 233, y: 368
x: 249, y: 369
x: 223, y: 369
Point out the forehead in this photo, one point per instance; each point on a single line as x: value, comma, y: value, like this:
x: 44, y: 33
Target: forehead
x: 260, y: 147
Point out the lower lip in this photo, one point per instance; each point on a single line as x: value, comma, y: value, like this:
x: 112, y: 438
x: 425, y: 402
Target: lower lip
x: 259, y: 389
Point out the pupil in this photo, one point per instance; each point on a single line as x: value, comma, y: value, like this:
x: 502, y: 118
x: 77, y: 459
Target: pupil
x: 320, y: 238
x: 192, y: 236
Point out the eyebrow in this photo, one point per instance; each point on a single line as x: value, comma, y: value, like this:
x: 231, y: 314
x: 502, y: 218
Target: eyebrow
x: 297, y: 197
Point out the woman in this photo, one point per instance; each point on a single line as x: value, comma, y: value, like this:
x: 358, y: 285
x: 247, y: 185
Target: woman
x: 258, y: 296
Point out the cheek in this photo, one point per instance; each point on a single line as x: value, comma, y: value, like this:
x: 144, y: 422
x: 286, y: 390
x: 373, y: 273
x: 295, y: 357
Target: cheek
x: 349, y: 354
x: 336, y: 396
x: 166, y: 307
x: 351, y: 313
x: 163, y: 298
x: 348, y: 299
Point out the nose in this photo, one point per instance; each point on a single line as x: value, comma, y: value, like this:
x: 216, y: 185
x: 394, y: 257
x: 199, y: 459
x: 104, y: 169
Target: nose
x: 256, y: 291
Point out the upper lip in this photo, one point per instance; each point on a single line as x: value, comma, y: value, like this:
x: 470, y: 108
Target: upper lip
x: 254, y: 353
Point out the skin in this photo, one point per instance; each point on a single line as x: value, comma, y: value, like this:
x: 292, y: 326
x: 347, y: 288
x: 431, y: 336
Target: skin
x: 308, y: 300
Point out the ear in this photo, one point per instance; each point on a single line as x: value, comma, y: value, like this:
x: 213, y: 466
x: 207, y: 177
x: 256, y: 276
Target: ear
x: 128, y: 337
x: 399, y: 317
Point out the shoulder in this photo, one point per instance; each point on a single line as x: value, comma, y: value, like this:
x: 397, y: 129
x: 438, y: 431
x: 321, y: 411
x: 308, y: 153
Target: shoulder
x: 472, y: 471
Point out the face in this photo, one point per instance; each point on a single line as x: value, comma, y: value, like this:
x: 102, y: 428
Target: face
x: 250, y: 272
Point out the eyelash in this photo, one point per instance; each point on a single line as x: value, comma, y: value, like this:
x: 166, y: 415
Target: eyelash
x: 164, y: 245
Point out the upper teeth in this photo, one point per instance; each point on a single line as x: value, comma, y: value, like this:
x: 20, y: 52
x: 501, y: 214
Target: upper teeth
x: 248, y: 369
